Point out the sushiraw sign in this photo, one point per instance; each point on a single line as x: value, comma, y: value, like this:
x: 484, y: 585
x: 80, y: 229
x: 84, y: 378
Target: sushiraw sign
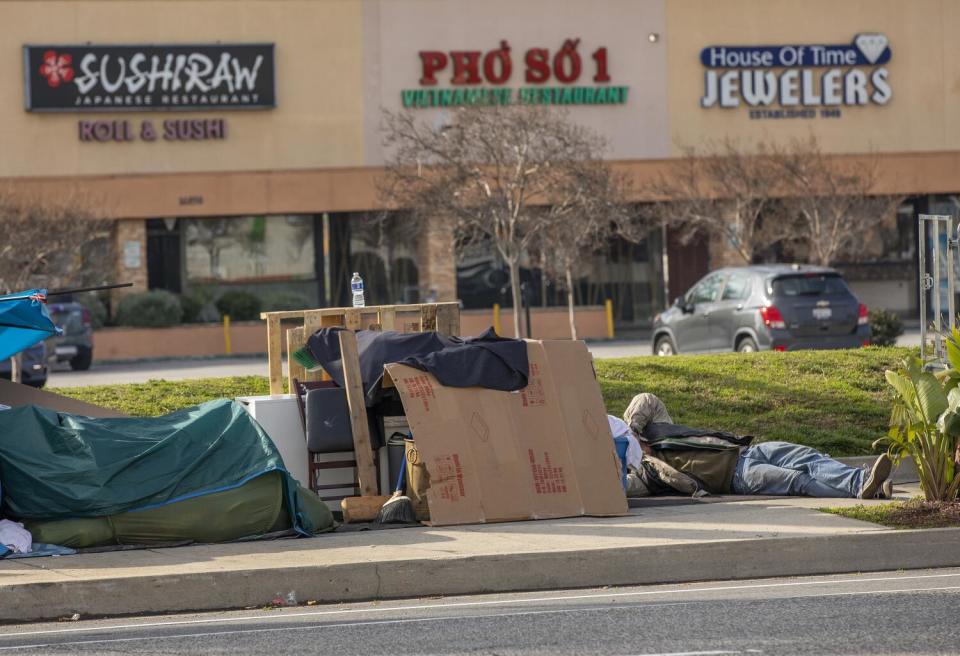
x: 192, y: 77
x: 798, y: 81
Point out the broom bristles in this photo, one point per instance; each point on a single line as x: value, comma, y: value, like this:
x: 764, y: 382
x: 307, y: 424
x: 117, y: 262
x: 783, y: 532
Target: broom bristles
x: 305, y: 359
x: 397, y: 510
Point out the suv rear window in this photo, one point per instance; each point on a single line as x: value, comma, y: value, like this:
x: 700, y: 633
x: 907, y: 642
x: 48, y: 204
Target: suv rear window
x: 810, y: 285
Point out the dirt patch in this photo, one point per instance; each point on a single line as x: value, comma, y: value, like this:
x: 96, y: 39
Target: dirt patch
x: 915, y: 513
x: 924, y: 514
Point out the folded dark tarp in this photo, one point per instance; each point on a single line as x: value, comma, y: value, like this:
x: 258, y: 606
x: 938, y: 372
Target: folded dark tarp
x: 59, y: 466
x: 678, y: 436
x: 483, y: 361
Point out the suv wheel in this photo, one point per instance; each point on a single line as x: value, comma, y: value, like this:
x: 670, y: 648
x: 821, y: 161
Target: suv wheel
x: 747, y: 345
x: 664, y: 346
x: 82, y: 360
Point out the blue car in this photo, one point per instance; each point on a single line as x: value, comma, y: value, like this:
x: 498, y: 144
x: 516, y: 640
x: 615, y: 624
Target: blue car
x: 763, y: 307
x: 34, y: 366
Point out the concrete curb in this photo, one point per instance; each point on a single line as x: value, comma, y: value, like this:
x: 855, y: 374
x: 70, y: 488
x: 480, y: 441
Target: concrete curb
x: 718, y: 560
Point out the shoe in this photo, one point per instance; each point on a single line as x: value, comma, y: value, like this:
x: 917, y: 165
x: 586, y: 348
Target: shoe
x: 886, y: 490
x: 878, y: 474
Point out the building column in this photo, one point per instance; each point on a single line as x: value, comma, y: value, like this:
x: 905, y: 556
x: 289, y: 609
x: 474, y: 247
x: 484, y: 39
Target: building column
x: 437, y: 260
x: 131, y: 254
x: 723, y: 253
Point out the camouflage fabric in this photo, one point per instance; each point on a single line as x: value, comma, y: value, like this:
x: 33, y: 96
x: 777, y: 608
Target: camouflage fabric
x: 658, y: 477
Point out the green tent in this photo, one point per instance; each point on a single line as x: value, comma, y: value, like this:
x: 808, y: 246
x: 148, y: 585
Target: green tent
x: 207, y: 473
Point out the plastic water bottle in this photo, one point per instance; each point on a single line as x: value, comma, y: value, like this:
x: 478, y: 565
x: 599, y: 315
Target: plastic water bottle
x: 356, y: 284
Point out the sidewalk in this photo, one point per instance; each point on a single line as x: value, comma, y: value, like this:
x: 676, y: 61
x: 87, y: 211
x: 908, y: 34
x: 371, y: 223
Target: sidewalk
x: 680, y: 541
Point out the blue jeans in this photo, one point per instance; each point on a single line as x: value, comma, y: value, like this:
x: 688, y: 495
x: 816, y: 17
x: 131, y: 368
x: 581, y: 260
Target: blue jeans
x: 781, y: 468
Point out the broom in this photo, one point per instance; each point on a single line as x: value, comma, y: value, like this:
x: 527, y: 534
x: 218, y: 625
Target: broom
x: 398, y: 509
x: 305, y: 359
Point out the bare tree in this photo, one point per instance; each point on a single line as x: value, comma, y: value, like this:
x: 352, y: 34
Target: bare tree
x: 489, y: 170
x: 830, y: 199
x: 51, y: 245
x: 388, y: 234
x: 589, y: 210
x: 723, y: 190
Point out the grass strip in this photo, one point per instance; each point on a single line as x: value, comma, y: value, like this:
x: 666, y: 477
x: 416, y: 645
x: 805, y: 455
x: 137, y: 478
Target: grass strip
x: 836, y: 401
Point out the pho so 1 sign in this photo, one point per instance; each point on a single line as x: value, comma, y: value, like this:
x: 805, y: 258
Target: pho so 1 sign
x: 800, y: 81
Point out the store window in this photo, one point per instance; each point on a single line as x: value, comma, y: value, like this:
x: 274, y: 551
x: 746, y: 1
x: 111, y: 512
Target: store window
x: 249, y: 248
x: 625, y: 273
x: 383, y: 249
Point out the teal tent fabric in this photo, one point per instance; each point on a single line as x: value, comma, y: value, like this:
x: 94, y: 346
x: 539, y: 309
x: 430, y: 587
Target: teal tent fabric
x: 24, y: 321
x: 57, y: 465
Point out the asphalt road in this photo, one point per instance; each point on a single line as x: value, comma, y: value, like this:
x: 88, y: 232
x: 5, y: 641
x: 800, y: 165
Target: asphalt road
x: 139, y: 372
x: 911, y: 612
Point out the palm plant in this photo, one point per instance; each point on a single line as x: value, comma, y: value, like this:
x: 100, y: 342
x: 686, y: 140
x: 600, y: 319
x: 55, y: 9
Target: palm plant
x: 925, y: 422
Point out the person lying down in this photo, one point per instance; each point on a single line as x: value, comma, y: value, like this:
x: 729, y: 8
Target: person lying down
x: 668, y: 458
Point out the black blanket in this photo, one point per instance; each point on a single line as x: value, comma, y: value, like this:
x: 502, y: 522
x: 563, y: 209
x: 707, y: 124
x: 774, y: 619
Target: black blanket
x: 483, y: 361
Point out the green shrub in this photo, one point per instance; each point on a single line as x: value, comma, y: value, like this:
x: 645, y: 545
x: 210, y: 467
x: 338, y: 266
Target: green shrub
x: 925, y: 422
x: 198, y: 307
x: 239, y: 305
x: 97, y: 310
x: 156, y: 309
x: 286, y: 301
x: 885, y: 327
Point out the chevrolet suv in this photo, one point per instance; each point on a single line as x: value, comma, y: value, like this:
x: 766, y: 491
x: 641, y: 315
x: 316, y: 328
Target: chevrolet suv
x: 763, y: 307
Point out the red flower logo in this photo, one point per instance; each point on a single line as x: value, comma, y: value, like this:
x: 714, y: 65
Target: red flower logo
x: 56, y: 68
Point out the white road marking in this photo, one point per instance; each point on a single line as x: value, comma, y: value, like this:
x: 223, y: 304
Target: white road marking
x: 701, y: 653
x: 415, y: 620
x: 494, y: 602
x: 408, y: 620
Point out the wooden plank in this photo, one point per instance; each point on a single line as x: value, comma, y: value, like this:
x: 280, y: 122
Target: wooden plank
x: 275, y: 355
x: 312, y: 320
x: 428, y: 317
x: 352, y: 319
x: 448, y: 320
x: 361, y: 509
x: 353, y: 383
x: 388, y: 317
x: 295, y: 370
x: 299, y: 314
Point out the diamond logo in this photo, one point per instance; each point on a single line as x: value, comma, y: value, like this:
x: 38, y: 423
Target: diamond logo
x: 871, y: 45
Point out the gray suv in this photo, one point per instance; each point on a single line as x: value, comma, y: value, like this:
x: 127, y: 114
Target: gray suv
x: 765, y: 307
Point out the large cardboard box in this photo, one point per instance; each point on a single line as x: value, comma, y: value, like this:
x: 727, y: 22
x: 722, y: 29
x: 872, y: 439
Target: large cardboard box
x: 543, y: 452
x: 15, y: 395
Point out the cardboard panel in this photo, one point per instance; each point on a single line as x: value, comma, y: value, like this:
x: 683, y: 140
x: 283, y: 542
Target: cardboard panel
x: 15, y: 395
x: 588, y: 431
x: 542, y: 452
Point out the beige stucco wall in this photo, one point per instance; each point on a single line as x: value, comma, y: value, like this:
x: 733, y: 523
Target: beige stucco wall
x: 317, y: 121
x: 338, y: 62
x: 395, y: 31
x: 922, y: 115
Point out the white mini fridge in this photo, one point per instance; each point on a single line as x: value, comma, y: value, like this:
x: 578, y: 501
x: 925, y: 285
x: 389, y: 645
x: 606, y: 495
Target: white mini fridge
x: 280, y: 419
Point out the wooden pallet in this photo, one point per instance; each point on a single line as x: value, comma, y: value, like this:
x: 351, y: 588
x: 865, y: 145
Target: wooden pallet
x: 441, y: 317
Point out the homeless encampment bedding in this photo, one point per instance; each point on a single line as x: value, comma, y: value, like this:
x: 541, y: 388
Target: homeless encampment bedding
x: 207, y: 473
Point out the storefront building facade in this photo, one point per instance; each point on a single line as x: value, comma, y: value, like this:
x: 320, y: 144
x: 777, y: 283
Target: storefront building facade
x: 238, y: 144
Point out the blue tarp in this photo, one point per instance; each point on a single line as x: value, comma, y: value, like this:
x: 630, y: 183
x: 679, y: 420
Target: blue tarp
x: 24, y: 322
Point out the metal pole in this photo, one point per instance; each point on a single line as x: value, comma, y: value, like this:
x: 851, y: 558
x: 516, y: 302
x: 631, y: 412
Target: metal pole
x: 951, y: 246
x: 937, y: 307
x: 922, y: 251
